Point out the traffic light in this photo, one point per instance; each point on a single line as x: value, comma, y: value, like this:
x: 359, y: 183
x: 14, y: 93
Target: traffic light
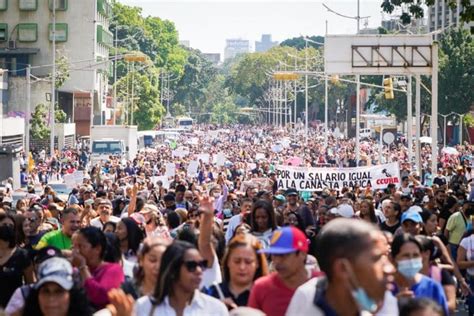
x: 388, y: 88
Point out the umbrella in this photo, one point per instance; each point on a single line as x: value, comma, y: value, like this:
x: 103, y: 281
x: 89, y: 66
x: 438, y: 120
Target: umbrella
x: 425, y: 139
x: 294, y: 161
x: 450, y: 151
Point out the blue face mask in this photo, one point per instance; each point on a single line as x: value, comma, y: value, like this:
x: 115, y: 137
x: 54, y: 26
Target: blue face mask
x: 409, y: 267
x: 469, y: 226
x: 363, y: 300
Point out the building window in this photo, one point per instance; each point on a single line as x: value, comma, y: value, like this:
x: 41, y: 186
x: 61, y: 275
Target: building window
x: 61, y: 31
x: 27, y: 32
x: 3, y: 5
x: 104, y: 8
x: 104, y: 37
x: 3, y: 32
x: 61, y: 5
x: 28, y: 5
x: 472, y: 30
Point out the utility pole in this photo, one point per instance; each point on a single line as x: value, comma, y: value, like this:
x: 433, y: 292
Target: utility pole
x: 27, y: 115
x: 410, y: 120
x: 133, y: 92
x: 306, y: 92
x: 115, y: 75
x: 53, y: 82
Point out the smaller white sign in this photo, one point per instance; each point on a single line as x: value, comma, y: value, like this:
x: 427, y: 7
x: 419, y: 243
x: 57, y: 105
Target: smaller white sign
x: 170, y: 169
x: 203, y: 157
x: 192, y: 168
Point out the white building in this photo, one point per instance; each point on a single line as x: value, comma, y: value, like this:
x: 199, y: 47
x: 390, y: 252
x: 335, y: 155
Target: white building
x: 82, y: 36
x: 235, y: 47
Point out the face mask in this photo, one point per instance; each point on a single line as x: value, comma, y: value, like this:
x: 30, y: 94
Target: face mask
x: 409, y: 267
x: 469, y: 226
x: 227, y: 212
x: 362, y: 299
x: 216, y: 195
x: 50, y: 196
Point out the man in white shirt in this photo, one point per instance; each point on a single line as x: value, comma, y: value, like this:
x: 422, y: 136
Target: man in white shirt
x: 104, y: 209
x: 236, y: 220
x: 354, y: 256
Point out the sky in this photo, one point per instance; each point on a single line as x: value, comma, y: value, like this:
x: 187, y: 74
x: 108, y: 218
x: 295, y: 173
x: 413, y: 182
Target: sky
x: 207, y: 24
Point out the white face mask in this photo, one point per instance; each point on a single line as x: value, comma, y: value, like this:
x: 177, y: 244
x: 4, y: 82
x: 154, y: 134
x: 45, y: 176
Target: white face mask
x: 216, y: 195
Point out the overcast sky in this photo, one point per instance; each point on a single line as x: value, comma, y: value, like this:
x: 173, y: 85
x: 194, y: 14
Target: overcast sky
x: 206, y: 24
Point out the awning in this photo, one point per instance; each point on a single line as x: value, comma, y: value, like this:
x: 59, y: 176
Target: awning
x: 18, y: 51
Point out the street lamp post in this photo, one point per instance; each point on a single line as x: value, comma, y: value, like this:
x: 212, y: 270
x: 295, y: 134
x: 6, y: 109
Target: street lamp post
x: 460, y: 125
x: 53, y: 81
x: 444, y: 127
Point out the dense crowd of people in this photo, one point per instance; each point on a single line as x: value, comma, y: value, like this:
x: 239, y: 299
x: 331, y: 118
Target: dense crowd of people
x: 199, y: 226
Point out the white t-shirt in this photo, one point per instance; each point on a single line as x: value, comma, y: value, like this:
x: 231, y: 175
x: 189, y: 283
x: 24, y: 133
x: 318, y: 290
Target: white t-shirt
x: 234, y: 221
x: 302, y: 302
x: 96, y: 222
x: 201, y: 304
x: 468, y: 244
x: 211, y: 275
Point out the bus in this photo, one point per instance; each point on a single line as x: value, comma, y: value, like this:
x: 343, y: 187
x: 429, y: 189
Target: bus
x: 184, y: 122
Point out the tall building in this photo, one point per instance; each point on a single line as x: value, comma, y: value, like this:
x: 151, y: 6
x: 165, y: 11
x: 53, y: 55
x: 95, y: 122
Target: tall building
x: 235, y: 47
x: 441, y: 16
x: 82, y: 36
x: 214, y: 58
x: 265, y: 43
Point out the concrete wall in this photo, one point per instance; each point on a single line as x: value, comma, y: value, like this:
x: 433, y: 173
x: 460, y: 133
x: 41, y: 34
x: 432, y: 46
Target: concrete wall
x: 12, y: 126
x: 17, y: 95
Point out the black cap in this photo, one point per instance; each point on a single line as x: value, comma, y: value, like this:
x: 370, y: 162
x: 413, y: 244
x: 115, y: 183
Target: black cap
x: 406, y: 196
x: 45, y: 253
x: 291, y: 191
x: 169, y: 197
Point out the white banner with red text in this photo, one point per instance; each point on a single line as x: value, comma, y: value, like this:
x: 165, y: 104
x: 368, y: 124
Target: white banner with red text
x: 318, y: 179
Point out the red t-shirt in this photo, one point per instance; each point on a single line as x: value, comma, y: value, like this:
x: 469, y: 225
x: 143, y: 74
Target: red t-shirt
x: 270, y: 295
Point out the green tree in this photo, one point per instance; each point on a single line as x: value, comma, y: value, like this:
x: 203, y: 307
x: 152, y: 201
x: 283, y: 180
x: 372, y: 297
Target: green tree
x: 415, y: 8
x: 39, y: 128
x: 300, y: 43
x: 456, y: 76
x: 191, y: 89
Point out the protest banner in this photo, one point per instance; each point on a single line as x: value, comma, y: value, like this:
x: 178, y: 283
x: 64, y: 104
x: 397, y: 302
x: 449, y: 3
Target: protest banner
x: 317, y: 179
x: 163, y: 179
x: 259, y: 156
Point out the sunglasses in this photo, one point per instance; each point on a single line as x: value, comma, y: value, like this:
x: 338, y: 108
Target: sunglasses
x: 191, y: 266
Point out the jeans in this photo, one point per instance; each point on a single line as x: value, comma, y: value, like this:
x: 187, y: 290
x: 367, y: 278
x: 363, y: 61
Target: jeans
x: 470, y: 298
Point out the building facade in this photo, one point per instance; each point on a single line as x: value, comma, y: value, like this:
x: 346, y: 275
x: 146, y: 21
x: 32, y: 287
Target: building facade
x: 82, y: 37
x: 214, y: 58
x: 265, y: 43
x: 235, y: 47
x: 441, y: 16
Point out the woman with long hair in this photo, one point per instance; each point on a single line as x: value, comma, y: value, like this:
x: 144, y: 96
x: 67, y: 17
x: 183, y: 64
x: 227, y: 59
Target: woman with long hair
x: 406, y: 255
x: 367, y: 212
x: 262, y: 221
x: 98, y: 276
x: 177, y: 289
x: 130, y: 236
x: 146, y: 273
x: 242, y: 265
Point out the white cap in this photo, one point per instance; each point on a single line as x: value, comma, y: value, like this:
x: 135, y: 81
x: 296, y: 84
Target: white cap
x: 344, y: 210
x: 415, y: 208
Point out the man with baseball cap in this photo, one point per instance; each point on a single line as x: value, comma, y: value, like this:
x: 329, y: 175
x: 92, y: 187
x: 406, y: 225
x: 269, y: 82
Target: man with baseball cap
x: 288, y: 249
x: 294, y: 206
x: 104, y: 209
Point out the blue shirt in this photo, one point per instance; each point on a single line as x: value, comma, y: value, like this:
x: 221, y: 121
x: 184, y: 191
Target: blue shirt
x: 431, y: 289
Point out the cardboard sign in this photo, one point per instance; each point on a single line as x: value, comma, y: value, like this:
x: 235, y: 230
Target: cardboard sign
x: 192, y: 168
x: 170, y: 169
